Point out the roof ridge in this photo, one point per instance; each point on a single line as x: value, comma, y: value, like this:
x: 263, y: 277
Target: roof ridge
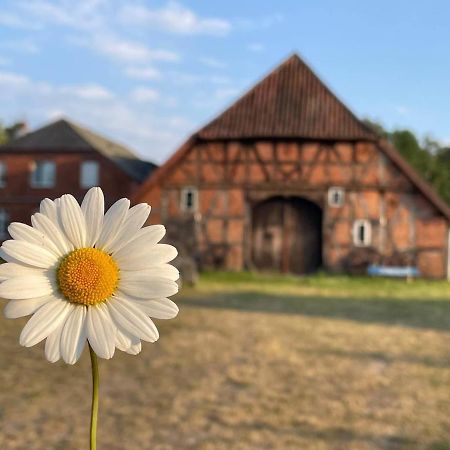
x: 248, y: 91
x: 308, y: 67
x: 87, y: 134
x: 291, y: 100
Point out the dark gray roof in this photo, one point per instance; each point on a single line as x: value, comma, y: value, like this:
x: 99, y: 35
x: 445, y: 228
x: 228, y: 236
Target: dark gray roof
x: 63, y: 135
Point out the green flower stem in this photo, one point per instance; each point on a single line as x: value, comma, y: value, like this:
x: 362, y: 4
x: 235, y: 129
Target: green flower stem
x: 94, y: 407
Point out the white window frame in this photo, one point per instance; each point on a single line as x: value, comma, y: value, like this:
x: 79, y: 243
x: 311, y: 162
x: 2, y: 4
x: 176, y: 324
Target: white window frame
x: 4, y: 222
x: 357, y: 224
x: 331, y: 196
x: 3, y: 173
x: 183, y: 199
x: 84, y: 182
x: 42, y: 183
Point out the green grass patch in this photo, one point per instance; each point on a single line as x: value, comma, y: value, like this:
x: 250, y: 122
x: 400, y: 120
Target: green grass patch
x: 324, y: 285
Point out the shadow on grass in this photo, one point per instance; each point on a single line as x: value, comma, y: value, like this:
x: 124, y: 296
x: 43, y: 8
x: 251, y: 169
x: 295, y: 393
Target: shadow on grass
x: 428, y: 314
x: 383, y: 357
x: 343, y: 436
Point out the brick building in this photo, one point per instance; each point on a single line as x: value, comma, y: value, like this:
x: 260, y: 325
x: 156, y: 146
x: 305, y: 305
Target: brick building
x: 288, y: 179
x: 59, y: 158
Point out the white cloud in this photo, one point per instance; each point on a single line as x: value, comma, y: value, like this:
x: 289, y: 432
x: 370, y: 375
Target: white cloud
x: 259, y: 23
x: 123, y: 50
x: 174, y: 18
x: 185, y: 78
x: 164, y: 55
x: 120, y: 49
x: 142, y: 73
x: 144, y: 95
x: 212, y: 62
x: 89, y: 92
x: 82, y: 14
x: 12, y: 79
x: 93, y: 24
x: 20, y: 82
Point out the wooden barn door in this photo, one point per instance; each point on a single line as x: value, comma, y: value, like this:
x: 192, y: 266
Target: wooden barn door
x: 287, y: 235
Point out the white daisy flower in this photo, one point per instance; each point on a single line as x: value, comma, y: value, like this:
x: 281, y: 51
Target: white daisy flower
x: 86, y: 275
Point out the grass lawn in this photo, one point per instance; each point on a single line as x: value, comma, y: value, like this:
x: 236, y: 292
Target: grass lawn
x: 253, y: 362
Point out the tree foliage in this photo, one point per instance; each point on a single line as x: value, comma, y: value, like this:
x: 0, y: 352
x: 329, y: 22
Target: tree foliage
x: 428, y: 157
x: 8, y: 133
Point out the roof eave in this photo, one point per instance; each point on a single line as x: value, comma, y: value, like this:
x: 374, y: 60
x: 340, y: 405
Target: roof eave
x: 422, y: 186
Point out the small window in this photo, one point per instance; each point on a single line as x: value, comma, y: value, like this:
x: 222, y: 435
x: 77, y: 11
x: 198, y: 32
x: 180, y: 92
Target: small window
x: 89, y: 174
x: 362, y: 233
x: 189, y: 199
x: 43, y: 174
x: 4, y: 222
x: 3, y: 171
x: 336, y: 197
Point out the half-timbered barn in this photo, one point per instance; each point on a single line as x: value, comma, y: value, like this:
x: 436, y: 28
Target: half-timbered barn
x: 288, y: 179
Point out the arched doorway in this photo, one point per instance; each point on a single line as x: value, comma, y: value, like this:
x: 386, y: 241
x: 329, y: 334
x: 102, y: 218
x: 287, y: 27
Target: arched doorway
x: 287, y: 235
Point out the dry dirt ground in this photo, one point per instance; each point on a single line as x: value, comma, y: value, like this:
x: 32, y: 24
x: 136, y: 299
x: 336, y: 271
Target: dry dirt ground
x: 252, y: 362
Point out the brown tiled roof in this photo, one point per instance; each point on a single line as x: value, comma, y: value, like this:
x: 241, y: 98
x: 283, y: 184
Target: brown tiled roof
x: 290, y: 102
x: 64, y: 135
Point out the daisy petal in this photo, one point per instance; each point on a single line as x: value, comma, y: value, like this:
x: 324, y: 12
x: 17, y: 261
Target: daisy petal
x: 131, y: 318
x: 112, y: 223
x: 93, y: 207
x: 45, y: 225
x: 73, y: 221
x: 29, y: 286
x: 134, y: 349
x: 10, y: 270
x: 161, y: 271
x: 73, y: 336
x: 44, y: 321
x: 53, y: 344
x: 101, y: 331
x: 147, y: 236
x: 138, y: 284
x: 31, y: 254
x: 125, y: 340
x: 135, y: 257
x: 20, y: 308
x: 135, y: 219
x: 22, y: 232
x: 161, y: 308
x: 51, y: 210
x: 48, y: 208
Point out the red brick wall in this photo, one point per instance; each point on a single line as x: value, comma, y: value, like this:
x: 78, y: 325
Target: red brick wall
x: 21, y: 200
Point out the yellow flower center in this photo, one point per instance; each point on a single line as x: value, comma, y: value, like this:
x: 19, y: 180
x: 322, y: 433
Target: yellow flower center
x: 88, y: 276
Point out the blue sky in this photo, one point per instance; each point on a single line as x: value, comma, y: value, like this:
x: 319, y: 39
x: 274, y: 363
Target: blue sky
x: 148, y: 73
